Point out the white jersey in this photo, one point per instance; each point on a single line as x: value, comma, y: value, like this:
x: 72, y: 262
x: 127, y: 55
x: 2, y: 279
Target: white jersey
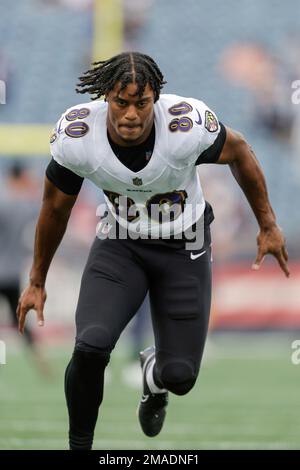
x: 168, y: 185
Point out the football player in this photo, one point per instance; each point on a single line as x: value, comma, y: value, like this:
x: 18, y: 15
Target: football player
x: 142, y: 148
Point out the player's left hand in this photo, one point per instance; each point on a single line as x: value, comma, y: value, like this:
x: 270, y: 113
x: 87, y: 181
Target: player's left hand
x: 271, y: 240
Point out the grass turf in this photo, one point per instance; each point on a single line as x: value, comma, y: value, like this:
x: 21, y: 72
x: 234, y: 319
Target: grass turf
x: 246, y: 397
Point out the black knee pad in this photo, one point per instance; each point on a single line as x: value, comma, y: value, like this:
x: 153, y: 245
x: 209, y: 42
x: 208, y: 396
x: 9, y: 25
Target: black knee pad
x: 84, y: 353
x: 94, y: 337
x: 86, y: 364
x: 178, y: 377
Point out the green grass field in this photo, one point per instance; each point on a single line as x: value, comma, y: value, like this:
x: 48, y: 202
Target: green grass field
x: 246, y: 397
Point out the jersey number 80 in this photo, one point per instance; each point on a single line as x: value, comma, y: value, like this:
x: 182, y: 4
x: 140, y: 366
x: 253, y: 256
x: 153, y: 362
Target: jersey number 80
x: 165, y: 207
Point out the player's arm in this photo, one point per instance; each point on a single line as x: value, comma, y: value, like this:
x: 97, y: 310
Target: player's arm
x: 51, y: 226
x: 246, y: 170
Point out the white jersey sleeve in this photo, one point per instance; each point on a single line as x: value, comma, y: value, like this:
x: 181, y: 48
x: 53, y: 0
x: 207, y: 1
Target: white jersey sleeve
x: 193, y: 131
x: 70, y: 139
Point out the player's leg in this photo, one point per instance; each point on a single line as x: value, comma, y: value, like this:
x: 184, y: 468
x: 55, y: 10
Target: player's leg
x: 180, y: 314
x: 112, y: 289
x: 180, y: 303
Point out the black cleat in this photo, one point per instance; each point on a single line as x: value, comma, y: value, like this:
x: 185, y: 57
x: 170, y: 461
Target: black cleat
x: 152, y: 407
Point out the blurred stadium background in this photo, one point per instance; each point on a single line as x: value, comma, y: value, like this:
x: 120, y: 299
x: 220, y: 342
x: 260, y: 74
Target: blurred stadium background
x: 241, y: 58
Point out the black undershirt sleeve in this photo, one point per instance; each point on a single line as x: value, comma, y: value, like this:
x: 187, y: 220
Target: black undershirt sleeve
x: 64, y: 179
x: 212, y: 154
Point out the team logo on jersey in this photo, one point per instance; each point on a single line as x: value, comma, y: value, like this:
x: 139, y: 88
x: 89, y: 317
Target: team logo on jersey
x: 180, y: 108
x: 77, y: 129
x: 53, y: 136
x: 137, y: 181
x: 77, y: 114
x: 211, y: 123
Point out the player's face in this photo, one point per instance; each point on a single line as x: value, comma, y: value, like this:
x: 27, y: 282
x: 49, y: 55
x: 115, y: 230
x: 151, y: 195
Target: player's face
x: 130, y: 117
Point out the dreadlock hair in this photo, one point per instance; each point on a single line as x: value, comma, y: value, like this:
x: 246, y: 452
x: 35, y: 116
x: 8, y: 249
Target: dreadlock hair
x: 128, y: 67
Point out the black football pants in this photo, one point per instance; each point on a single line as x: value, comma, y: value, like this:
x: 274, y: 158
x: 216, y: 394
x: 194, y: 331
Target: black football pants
x: 116, y: 279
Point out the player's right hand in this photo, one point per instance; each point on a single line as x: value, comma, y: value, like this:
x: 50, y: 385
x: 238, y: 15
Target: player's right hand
x: 33, y: 297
